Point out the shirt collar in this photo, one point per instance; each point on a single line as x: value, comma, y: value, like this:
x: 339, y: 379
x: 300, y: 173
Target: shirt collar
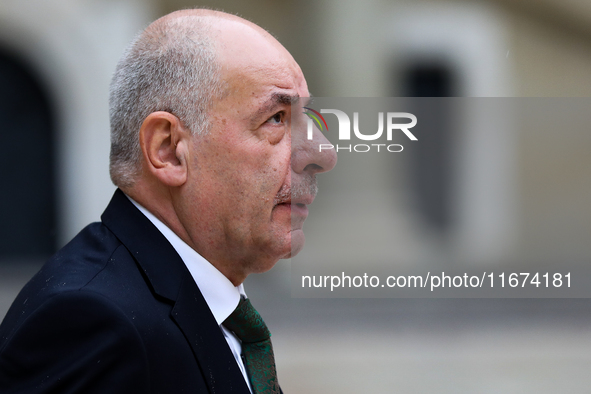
x: 220, y: 294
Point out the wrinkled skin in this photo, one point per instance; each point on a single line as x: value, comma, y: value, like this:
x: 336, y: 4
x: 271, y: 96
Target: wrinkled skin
x: 243, y: 199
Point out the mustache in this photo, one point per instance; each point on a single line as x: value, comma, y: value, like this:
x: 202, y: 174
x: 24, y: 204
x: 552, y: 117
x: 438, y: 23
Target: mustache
x: 306, y: 187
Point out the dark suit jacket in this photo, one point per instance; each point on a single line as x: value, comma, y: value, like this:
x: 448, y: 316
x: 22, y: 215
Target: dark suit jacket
x: 115, y: 311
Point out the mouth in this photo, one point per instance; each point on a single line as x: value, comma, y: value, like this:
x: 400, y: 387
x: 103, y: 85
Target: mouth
x: 293, y: 208
x: 297, y: 198
x: 300, y: 200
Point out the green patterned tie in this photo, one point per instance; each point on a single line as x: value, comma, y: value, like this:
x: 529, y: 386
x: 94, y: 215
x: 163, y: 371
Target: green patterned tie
x: 250, y: 328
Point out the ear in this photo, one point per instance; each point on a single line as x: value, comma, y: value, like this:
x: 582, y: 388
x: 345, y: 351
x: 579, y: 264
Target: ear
x: 164, y: 143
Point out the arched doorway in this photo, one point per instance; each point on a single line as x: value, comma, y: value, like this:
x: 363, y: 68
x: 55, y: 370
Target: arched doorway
x: 27, y: 163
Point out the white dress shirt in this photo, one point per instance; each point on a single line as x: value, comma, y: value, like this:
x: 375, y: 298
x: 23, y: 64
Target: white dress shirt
x: 220, y: 294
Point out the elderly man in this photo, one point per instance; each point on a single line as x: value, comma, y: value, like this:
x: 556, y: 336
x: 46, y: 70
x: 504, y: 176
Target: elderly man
x: 214, y: 184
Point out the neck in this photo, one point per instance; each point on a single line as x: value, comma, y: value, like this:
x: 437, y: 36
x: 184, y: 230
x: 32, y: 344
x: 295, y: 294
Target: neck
x: 160, y: 202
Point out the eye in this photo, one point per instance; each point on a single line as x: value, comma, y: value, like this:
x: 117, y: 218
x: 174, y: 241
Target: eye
x: 277, y: 119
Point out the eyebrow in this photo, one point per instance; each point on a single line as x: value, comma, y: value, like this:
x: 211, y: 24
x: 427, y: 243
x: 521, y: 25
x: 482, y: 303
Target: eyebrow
x: 278, y: 99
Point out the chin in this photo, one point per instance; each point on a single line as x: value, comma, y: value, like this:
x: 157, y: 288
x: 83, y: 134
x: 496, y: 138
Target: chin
x: 297, y: 242
x: 287, y: 248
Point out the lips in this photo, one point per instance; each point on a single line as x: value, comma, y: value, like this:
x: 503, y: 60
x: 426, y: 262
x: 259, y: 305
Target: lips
x: 299, y: 210
x: 295, y: 210
x: 297, y: 197
x: 302, y: 200
x: 301, y: 193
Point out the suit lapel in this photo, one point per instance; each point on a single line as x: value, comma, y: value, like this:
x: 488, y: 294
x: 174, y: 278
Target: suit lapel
x: 215, y: 358
x: 167, y: 276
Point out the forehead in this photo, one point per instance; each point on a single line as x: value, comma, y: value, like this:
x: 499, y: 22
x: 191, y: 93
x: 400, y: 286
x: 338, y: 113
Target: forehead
x: 253, y: 62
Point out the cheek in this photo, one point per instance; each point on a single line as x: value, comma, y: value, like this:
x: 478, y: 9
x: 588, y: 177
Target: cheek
x: 245, y: 178
x: 265, y: 176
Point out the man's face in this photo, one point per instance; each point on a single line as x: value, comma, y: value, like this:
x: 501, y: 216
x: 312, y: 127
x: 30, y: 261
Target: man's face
x: 253, y: 175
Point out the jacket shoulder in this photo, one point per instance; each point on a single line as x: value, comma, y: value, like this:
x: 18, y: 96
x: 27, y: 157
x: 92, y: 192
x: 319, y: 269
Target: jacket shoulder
x: 74, y: 341
x: 71, y: 268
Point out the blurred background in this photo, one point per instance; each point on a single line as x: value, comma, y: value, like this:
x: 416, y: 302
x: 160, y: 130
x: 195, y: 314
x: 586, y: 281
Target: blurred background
x: 524, y: 191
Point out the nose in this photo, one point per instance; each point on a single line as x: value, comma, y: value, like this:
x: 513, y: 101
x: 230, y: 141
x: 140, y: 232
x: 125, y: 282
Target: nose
x: 312, y: 156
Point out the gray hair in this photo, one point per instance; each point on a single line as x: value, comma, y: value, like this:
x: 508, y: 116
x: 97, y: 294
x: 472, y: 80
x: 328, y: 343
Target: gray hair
x: 170, y: 66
